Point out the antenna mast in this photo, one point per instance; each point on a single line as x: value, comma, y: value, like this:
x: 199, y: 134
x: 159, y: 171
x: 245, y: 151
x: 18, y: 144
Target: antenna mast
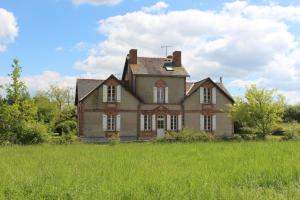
x: 166, y: 47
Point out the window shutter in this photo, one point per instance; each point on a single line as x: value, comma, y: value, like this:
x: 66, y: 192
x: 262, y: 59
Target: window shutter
x: 154, y: 94
x: 179, y: 122
x: 166, y: 95
x: 118, y: 128
x: 104, y: 122
x: 168, y: 122
x: 153, y: 123
x: 214, y: 122
x: 202, y: 122
x: 214, y: 96
x: 201, y: 95
x: 119, y: 93
x: 142, y: 122
x: 104, y: 94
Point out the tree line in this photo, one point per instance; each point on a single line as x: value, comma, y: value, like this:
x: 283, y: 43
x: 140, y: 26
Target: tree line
x: 50, y: 115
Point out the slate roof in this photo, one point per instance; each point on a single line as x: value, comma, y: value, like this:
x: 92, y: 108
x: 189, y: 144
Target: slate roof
x: 188, y: 86
x: 84, y: 86
x: 156, y: 66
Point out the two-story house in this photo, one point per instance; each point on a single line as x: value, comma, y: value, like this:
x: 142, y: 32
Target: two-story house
x: 152, y: 97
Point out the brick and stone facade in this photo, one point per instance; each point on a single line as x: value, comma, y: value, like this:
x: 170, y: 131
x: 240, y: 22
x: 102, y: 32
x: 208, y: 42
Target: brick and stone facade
x: 152, y: 98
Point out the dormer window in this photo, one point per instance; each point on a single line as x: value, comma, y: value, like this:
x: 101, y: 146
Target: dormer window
x: 207, y: 95
x: 111, y: 93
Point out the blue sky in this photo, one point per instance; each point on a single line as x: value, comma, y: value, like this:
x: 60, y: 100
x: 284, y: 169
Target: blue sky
x: 246, y: 42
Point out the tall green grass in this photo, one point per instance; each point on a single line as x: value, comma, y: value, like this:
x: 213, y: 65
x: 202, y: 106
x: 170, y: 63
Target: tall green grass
x: 221, y: 170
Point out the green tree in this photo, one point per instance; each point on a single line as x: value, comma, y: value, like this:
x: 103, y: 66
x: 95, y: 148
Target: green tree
x: 18, y: 114
x: 259, y: 110
x: 60, y: 95
x: 46, y: 110
x: 292, y: 113
x: 16, y: 90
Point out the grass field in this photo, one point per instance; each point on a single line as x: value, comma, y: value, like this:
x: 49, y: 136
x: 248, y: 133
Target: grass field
x: 220, y: 170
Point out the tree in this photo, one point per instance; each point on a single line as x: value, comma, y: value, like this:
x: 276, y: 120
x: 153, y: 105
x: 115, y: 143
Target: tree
x: 18, y: 114
x: 46, y: 110
x: 292, y: 113
x: 260, y: 110
x: 61, y: 95
x: 16, y: 90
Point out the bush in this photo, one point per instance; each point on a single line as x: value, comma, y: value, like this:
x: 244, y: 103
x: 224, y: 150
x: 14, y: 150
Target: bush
x: 279, y: 130
x: 186, y: 136
x: 114, y: 139
x: 63, y: 139
x: 33, y: 133
x: 291, y: 131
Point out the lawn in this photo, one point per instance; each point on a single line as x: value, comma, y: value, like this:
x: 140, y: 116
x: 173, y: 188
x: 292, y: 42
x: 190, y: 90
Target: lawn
x: 216, y: 170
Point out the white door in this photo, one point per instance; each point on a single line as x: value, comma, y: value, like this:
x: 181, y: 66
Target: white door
x: 160, y: 126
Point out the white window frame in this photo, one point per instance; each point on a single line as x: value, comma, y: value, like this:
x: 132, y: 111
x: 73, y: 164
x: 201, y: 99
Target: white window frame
x: 147, y: 122
x: 111, y: 123
x: 160, y: 95
x: 207, y: 93
x: 174, y: 122
x: 207, y: 123
x: 111, y: 93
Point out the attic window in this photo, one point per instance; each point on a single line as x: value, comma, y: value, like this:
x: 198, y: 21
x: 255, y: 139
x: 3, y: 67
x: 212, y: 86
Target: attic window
x: 168, y: 65
x: 169, y: 68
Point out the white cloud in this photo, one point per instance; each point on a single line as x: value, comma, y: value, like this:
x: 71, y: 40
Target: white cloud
x: 80, y: 46
x: 58, y: 49
x: 156, y: 7
x: 96, y: 2
x: 8, y: 29
x: 42, y: 81
x: 248, y: 43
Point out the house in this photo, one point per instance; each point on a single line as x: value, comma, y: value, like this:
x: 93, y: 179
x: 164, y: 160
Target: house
x: 152, y: 97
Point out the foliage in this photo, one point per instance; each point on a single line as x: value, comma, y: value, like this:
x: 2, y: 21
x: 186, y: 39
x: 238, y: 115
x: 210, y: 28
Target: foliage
x: 65, y: 122
x: 16, y: 90
x: 186, y: 135
x: 260, y: 110
x: 46, y: 110
x: 202, y: 170
x: 114, y: 139
x: 26, y: 120
x: 291, y: 131
x: 292, y: 113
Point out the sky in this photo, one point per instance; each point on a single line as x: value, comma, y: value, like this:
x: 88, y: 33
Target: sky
x: 245, y: 42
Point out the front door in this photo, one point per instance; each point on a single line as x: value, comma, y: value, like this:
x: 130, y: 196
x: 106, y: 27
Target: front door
x: 160, y: 126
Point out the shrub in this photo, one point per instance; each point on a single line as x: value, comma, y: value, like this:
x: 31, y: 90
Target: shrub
x: 114, y: 139
x: 33, y: 133
x: 291, y: 131
x: 186, y: 136
x: 279, y: 130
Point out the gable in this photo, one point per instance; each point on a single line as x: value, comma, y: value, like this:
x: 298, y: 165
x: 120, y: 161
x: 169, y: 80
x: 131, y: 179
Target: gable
x: 113, y: 81
x: 209, y: 83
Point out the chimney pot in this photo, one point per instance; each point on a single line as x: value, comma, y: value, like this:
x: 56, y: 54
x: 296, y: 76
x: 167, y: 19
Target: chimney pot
x: 133, y: 56
x: 221, y: 79
x: 177, y: 58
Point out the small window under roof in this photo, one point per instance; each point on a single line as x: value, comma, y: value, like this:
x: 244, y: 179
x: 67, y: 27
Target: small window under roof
x: 169, y: 68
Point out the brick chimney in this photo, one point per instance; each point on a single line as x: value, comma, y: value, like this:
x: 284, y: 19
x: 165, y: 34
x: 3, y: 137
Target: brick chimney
x: 177, y: 58
x: 133, y: 56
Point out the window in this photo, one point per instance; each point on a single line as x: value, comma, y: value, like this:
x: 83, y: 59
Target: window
x: 160, y: 95
x: 207, y: 122
x: 174, y: 122
x: 160, y: 122
x: 147, y: 122
x: 207, y: 95
x: 111, y: 123
x: 111, y: 93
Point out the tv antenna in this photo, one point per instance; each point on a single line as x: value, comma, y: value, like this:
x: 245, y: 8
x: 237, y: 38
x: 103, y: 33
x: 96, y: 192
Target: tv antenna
x: 166, y: 47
